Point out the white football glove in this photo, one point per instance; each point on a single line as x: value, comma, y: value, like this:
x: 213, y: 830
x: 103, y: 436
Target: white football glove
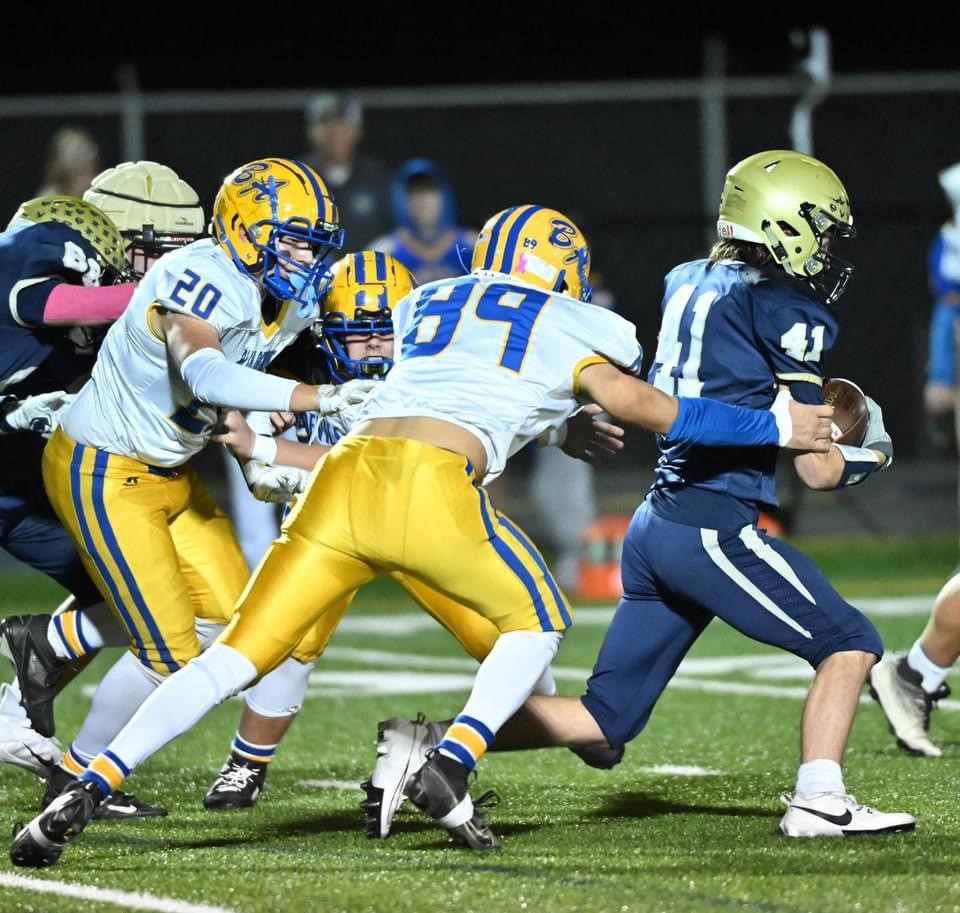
x: 877, y: 437
x: 40, y: 413
x: 332, y: 399
x: 275, y: 484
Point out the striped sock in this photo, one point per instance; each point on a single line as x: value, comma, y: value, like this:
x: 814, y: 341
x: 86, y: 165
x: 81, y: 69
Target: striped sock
x: 466, y: 741
x: 107, y: 771
x: 250, y: 751
x: 67, y: 636
x: 74, y: 762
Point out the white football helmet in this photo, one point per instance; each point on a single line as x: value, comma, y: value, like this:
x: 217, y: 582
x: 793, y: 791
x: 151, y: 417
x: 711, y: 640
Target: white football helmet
x: 153, y: 207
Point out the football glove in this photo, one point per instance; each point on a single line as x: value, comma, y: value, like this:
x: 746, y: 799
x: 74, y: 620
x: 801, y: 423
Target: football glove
x: 332, y: 399
x: 40, y: 413
x: 877, y: 437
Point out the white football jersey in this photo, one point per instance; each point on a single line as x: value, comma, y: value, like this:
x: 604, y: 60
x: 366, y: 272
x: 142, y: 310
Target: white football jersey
x: 497, y: 356
x: 136, y: 404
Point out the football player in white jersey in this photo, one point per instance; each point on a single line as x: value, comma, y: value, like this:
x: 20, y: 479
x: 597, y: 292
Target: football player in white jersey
x: 486, y: 363
x: 204, y: 322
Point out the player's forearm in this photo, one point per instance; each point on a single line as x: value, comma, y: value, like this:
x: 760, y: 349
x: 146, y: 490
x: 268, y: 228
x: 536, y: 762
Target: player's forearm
x: 827, y: 471
x: 78, y: 305
x: 212, y: 379
x: 302, y: 456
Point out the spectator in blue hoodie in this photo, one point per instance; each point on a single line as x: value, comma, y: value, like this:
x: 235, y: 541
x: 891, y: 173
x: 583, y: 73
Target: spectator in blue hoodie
x: 426, y: 238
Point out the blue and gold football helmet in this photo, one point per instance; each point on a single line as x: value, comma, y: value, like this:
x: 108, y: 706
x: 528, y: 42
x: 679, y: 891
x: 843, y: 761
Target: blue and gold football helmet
x: 538, y: 245
x: 363, y: 292
x: 264, y: 201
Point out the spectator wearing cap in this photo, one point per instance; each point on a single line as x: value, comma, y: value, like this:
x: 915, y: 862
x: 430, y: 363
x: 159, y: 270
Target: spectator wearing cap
x: 360, y: 183
x: 72, y: 162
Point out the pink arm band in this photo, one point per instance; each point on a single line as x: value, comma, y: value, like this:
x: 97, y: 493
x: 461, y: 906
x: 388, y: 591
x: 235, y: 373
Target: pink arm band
x: 79, y: 305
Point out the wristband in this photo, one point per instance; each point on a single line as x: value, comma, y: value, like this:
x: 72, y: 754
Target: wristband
x: 264, y: 449
x: 858, y: 463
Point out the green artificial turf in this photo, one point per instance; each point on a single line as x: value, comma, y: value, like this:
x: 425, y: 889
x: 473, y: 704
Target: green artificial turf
x: 575, y: 839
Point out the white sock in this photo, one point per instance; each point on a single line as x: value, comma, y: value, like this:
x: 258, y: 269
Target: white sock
x: 933, y: 675
x: 546, y: 684
x: 280, y: 692
x: 819, y: 776
x: 118, y: 697
x: 505, y: 679
x: 181, y: 701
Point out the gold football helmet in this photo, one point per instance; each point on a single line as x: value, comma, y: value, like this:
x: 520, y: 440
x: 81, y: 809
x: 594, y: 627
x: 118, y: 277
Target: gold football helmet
x: 153, y: 207
x: 272, y: 199
x: 87, y: 221
x: 538, y: 245
x: 796, y: 207
x: 365, y: 289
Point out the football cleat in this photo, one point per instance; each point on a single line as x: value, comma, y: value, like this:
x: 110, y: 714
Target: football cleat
x: 438, y: 790
x: 838, y: 815
x: 20, y: 743
x: 118, y: 806
x: 402, y: 747
x: 898, y: 689
x: 238, y: 785
x: 23, y: 640
x: 41, y: 842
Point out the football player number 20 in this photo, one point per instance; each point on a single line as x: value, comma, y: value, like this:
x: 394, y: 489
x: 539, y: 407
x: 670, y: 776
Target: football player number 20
x: 438, y: 315
x: 204, y: 298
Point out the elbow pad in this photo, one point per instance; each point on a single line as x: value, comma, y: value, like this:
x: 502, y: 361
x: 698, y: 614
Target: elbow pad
x: 214, y: 380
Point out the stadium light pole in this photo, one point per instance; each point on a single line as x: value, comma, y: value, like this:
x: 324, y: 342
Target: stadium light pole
x: 713, y: 129
x: 817, y: 67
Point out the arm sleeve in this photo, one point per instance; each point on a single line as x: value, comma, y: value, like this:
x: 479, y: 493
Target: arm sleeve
x: 79, y: 304
x: 214, y: 380
x: 942, y: 359
x: 716, y: 424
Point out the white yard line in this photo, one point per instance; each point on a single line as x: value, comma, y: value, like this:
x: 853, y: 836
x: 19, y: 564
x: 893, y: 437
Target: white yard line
x: 346, y: 786
x: 680, y: 770
x: 125, y: 899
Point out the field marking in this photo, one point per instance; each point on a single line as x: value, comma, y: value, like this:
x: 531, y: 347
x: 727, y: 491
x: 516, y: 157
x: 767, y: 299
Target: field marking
x: 680, y: 770
x: 341, y: 785
x: 126, y: 899
x: 408, y: 623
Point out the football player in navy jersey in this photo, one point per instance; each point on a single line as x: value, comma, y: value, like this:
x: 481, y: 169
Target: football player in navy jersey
x: 752, y: 317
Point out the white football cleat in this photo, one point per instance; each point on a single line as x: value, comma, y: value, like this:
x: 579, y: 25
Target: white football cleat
x: 20, y: 743
x: 898, y: 689
x: 402, y: 747
x: 838, y: 815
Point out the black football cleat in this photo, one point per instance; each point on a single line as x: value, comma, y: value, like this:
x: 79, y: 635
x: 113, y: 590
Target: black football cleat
x: 23, y: 640
x: 41, y: 842
x: 238, y: 785
x: 118, y: 806
x: 439, y: 790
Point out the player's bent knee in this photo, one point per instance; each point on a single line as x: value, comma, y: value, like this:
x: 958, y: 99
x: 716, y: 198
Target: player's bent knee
x: 228, y: 670
x: 861, y: 638
x: 280, y: 692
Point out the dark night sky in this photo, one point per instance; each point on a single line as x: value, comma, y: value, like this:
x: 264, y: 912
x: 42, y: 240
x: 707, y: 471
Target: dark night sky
x: 226, y: 46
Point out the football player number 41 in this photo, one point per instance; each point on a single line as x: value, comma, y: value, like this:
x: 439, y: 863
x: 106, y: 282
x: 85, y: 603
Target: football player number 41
x: 680, y: 346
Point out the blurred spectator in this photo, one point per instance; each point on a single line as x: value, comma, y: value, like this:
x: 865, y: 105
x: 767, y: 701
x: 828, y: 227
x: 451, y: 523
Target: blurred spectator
x: 943, y: 263
x: 334, y: 126
x: 72, y: 162
x: 426, y: 238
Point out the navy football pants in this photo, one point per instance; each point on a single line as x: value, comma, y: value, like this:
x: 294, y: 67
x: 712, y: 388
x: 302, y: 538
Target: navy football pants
x: 676, y: 579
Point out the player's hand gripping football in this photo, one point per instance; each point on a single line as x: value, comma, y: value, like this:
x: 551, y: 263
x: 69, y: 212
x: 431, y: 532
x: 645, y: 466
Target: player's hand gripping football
x: 590, y: 438
x: 40, y: 413
x: 802, y: 427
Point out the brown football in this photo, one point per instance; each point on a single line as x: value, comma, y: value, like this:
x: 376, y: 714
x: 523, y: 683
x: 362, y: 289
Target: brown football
x: 850, y: 415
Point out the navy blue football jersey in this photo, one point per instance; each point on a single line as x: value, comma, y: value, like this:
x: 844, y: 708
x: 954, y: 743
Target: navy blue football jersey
x: 34, y: 358
x: 733, y: 333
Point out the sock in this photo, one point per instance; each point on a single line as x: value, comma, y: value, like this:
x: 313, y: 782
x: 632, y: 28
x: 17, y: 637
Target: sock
x: 251, y: 751
x: 504, y: 681
x: 819, y: 776
x: 180, y: 702
x: 933, y: 675
x: 74, y: 762
x: 120, y: 693
x: 75, y: 632
x: 282, y: 691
